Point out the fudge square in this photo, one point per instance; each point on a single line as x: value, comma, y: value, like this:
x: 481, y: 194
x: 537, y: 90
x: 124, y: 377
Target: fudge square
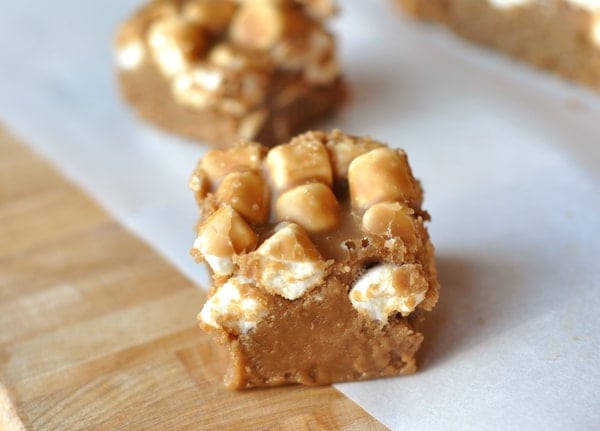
x: 322, y: 267
x: 562, y: 36
x: 223, y: 70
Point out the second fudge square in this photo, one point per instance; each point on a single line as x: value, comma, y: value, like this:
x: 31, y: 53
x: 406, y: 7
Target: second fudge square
x: 223, y: 70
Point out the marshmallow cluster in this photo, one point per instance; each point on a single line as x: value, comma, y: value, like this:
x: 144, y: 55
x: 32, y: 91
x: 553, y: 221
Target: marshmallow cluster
x: 268, y: 206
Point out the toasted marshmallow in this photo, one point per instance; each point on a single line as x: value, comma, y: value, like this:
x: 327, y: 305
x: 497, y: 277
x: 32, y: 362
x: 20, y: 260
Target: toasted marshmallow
x: 236, y: 306
x: 290, y: 264
x: 222, y: 235
x: 388, y: 288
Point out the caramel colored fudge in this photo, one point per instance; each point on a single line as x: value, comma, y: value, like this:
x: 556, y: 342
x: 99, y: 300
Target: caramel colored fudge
x: 321, y: 263
x: 223, y: 70
x: 562, y: 36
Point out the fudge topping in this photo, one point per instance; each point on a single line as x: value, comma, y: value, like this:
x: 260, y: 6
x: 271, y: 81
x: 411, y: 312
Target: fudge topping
x: 293, y: 210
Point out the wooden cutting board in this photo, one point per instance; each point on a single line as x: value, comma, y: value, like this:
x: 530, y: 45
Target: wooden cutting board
x: 99, y: 332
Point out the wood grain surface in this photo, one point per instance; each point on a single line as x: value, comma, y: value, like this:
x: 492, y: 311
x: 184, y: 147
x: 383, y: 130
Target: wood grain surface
x: 98, y: 332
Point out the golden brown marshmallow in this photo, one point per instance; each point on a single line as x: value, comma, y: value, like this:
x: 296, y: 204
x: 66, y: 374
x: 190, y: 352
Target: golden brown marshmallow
x: 313, y: 206
x: 391, y: 219
x: 217, y: 163
x: 299, y: 162
x: 222, y: 235
x: 381, y: 175
x: 175, y: 43
x: 248, y: 193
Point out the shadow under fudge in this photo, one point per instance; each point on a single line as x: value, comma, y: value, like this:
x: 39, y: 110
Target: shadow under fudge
x: 482, y: 298
x: 455, y: 325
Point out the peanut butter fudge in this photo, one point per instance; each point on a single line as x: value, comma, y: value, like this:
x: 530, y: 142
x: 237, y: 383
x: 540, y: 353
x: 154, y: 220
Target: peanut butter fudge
x: 321, y: 263
x: 223, y: 70
x: 559, y: 35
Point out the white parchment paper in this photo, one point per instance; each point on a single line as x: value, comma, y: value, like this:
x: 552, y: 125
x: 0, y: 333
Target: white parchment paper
x: 509, y: 158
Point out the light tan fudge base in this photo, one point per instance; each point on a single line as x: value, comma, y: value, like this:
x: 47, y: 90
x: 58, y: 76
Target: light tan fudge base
x: 336, y: 347
x: 320, y: 338
x: 552, y: 35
